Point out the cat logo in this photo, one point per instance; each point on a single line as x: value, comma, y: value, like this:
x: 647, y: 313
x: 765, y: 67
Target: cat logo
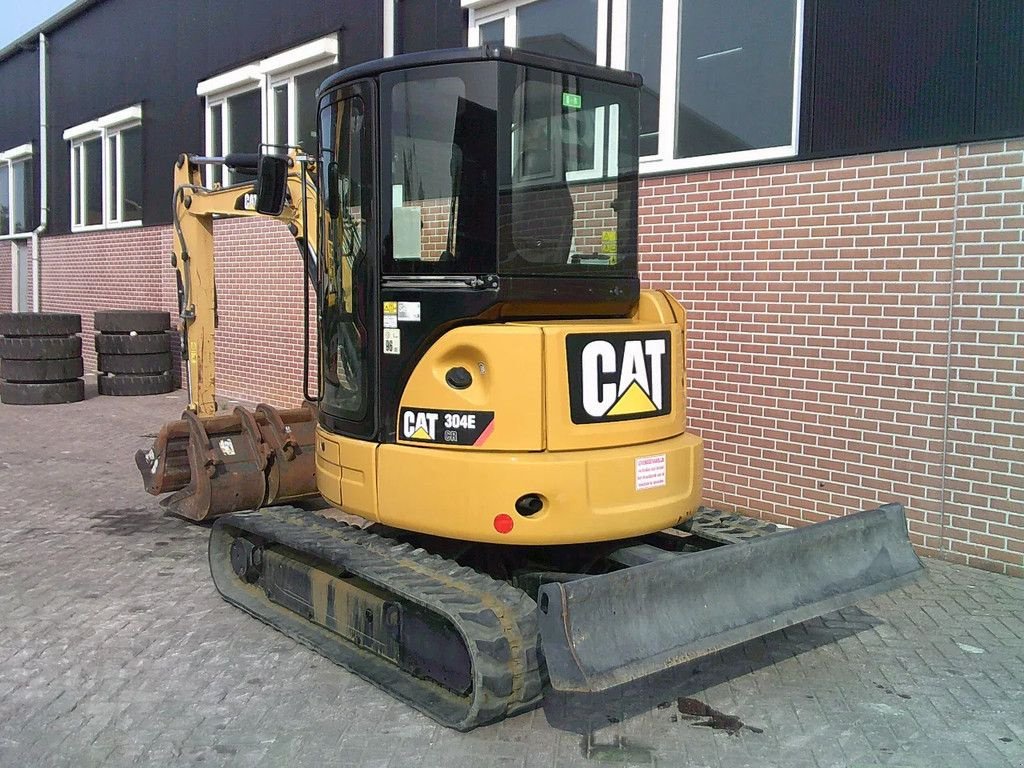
x: 249, y: 201
x: 614, y: 377
x: 419, y: 425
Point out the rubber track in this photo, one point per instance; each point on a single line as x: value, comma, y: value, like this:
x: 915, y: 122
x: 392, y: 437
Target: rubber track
x: 726, y: 527
x: 497, y: 621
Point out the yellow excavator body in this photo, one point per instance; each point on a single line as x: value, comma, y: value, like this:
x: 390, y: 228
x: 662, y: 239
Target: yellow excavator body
x: 593, y: 482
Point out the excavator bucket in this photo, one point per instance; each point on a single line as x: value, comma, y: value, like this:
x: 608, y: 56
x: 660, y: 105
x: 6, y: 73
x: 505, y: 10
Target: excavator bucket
x: 233, y: 461
x: 606, y: 630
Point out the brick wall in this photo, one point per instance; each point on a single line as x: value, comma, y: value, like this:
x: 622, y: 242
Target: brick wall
x: 985, y: 476
x: 6, y: 300
x: 258, y: 278
x: 259, y: 287
x: 109, y: 269
x: 855, y: 337
x: 593, y: 215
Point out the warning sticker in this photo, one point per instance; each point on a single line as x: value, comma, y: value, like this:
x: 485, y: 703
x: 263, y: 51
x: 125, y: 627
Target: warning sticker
x: 409, y: 311
x: 390, y: 321
x: 390, y: 307
x: 392, y: 341
x: 650, y: 471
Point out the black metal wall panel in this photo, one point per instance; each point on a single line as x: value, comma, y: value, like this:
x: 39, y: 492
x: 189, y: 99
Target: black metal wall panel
x: 425, y: 25
x: 19, y: 117
x: 891, y: 73
x: 123, y: 52
x: 19, y: 82
x: 1000, y: 96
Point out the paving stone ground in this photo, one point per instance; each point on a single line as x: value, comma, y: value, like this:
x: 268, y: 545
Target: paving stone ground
x: 115, y: 650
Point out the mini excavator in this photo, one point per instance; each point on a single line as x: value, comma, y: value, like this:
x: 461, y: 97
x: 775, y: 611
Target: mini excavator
x: 501, y: 404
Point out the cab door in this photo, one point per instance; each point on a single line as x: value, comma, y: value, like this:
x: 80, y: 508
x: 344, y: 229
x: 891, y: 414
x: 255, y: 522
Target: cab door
x: 348, y: 269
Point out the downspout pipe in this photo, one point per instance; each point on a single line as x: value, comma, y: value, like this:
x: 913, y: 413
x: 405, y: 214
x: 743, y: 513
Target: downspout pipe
x: 44, y: 203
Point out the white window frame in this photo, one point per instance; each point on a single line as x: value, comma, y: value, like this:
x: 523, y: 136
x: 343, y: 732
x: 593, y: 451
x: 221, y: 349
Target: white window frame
x: 484, y: 11
x: 9, y: 158
x: 263, y: 75
x: 106, y: 128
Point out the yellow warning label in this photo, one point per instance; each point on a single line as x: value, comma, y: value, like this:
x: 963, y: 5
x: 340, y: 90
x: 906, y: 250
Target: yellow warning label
x: 609, y: 246
x: 633, y: 400
x: 390, y: 307
x: 420, y: 434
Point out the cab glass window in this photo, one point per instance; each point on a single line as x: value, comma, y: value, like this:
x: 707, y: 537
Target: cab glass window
x: 439, y: 149
x: 346, y: 194
x: 567, y: 197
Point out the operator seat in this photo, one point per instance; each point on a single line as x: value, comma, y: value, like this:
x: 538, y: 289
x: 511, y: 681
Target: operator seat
x: 542, y: 224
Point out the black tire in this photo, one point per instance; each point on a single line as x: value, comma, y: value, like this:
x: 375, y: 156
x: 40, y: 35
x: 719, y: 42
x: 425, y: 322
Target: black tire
x: 129, y: 385
x: 40, y: 347
x: 38, y: 371
x: 124, y: 344
x: 16, y: 393
x: 39, y: 324
x: 155, y: 363
x: 126, y: 321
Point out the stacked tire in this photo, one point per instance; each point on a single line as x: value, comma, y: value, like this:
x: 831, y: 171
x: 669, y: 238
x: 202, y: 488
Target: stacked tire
x: 133, y: 353
x: 40, y: 358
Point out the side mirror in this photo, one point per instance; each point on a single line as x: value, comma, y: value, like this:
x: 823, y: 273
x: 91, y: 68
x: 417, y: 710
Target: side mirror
x: 271, y: 184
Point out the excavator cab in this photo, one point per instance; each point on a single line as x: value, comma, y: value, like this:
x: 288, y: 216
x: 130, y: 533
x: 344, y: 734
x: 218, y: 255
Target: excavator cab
x: 504, y: 409
x: 480, y: 211
x: 499, y: 189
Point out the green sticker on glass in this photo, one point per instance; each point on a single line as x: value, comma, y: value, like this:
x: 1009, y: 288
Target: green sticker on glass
x: 572, y: 100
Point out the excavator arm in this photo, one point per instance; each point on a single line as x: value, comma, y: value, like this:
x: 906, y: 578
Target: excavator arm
x: 195, y: 207
x: 212, y: 463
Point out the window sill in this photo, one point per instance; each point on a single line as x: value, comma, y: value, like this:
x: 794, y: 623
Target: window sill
x: 104, y: 227
x: 650, y: 165
x: 17, y: 236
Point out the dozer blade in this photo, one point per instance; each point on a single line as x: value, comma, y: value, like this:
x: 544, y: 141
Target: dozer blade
x: 602, y: 631
x: 233, y: 461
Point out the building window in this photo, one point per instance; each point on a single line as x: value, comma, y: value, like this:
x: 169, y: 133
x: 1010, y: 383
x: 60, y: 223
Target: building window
x: 569, y: 29
x: 270, y: 102
x: 734, y: 88
x: 106, y: 171
x: 293, y: 118
x: 16, y: 190
x: 721, y: 77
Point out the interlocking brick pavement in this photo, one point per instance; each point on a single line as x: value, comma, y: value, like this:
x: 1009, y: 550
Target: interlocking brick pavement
x: 115, y: 650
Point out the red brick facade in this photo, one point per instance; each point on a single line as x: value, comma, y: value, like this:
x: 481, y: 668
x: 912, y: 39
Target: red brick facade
x: 855, y: 331
x: 259, y: 274
x: 6, y: 299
